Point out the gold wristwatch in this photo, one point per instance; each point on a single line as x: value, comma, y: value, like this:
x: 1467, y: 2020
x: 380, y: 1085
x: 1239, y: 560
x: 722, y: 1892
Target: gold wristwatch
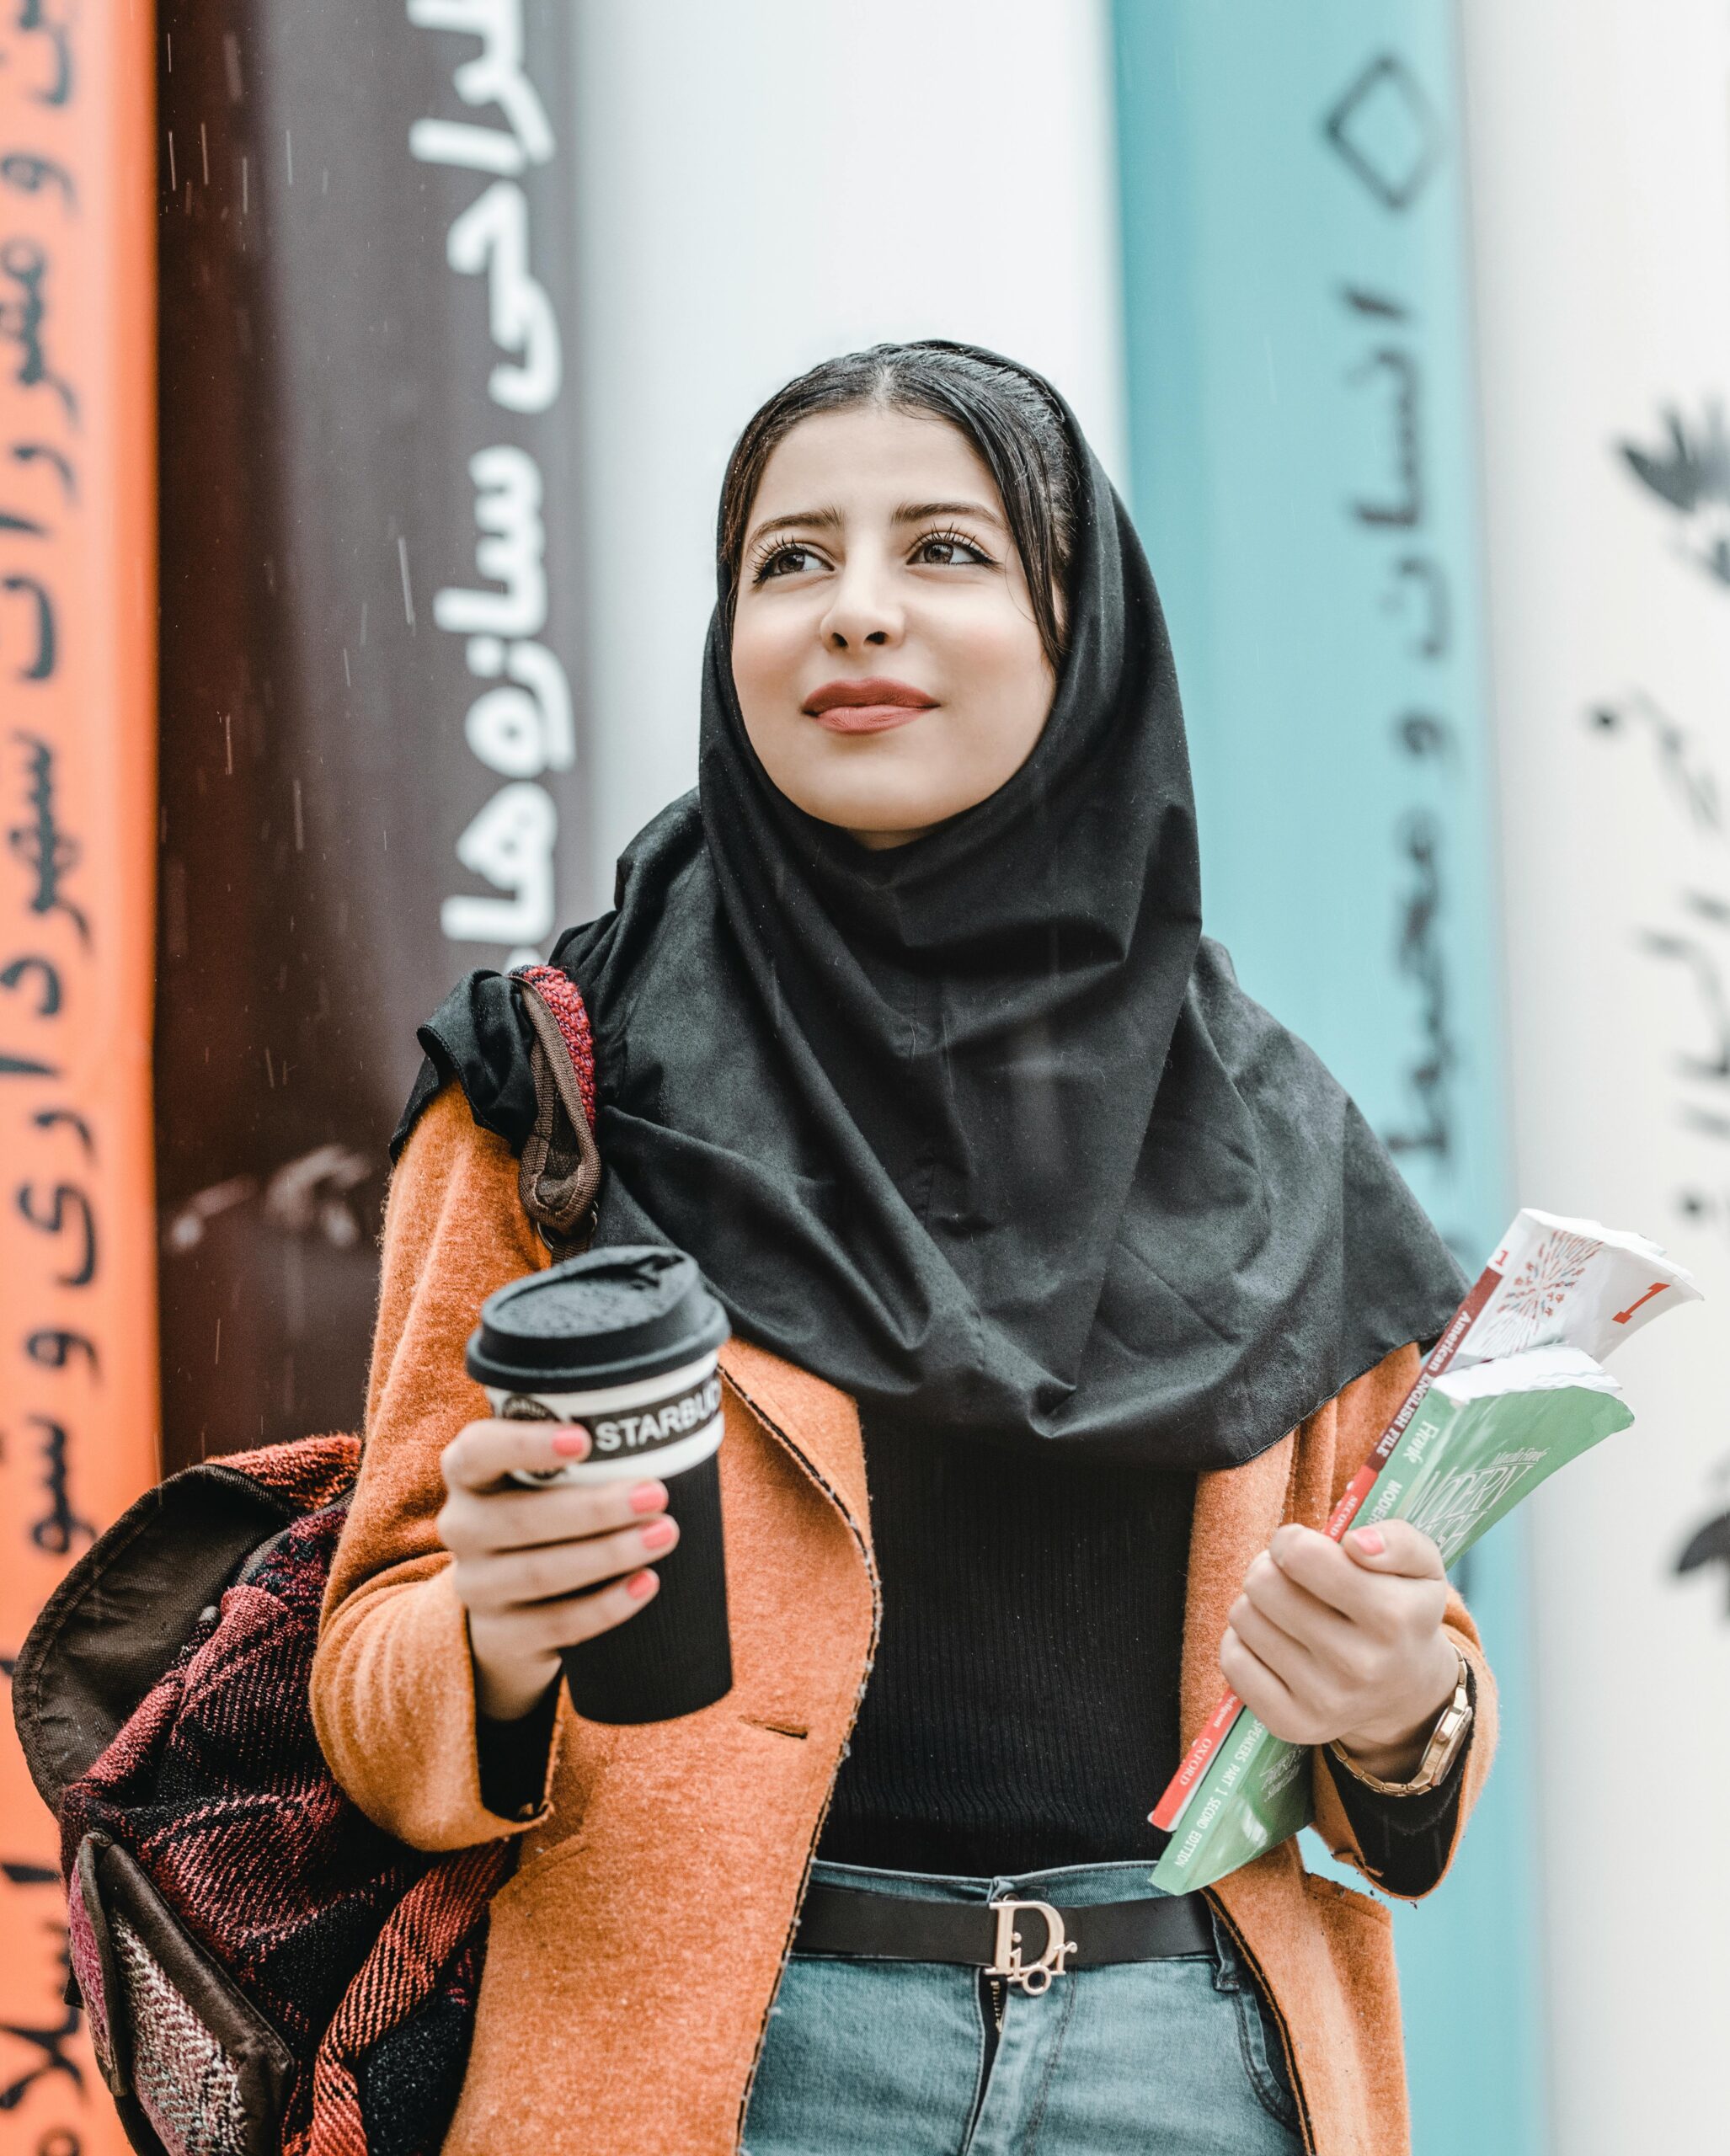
x: 1443, y: 1748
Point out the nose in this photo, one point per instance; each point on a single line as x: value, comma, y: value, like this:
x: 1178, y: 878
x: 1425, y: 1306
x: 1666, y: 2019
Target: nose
x: 863, y: 611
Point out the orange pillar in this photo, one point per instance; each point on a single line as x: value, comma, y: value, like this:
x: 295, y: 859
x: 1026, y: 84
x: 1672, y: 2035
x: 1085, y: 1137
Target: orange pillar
x: 78, y: 814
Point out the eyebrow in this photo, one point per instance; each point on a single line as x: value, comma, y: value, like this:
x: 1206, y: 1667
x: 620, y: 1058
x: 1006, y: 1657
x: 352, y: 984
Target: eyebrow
x: 830, y: 520
x: 917, y: 512
x: 821, y: 520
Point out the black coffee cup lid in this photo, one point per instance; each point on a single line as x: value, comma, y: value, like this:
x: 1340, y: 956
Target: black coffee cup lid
x: 605, y: 1318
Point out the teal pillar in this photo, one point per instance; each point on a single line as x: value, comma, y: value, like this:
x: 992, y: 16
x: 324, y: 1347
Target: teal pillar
x: 1302, y: 469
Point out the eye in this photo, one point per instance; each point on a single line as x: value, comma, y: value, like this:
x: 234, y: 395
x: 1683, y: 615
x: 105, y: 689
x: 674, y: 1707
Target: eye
x: 948, y: 550
x: 789, y: 557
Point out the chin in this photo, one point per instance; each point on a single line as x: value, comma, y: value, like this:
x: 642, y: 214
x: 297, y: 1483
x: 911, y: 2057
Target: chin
x: 860, y: 800
x: 873, y: 816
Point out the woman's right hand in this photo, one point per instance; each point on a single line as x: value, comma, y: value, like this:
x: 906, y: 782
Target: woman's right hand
x: 539, y: 1569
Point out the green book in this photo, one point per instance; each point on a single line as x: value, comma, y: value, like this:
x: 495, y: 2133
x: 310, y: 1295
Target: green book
x: 1482, y: 1438
x: 1514, y: 1388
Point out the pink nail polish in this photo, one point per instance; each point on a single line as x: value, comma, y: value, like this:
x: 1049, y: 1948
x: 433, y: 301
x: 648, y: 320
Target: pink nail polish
x: 661, y: 1536
x: 572, y: 1443
x: 649, y: 1497
x: 1370, y: 1540
x: 640, y: 1585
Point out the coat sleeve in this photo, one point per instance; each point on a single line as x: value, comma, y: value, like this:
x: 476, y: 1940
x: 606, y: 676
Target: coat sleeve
x: 1404, y: 1844
x: 392, y: 1684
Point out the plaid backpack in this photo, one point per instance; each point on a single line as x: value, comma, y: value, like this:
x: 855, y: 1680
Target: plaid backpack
x: 265, y: 1972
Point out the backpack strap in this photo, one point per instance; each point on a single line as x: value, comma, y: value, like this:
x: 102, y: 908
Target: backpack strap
x: 559, y: 1178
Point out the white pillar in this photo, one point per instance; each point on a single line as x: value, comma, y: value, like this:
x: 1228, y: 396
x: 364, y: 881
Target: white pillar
x: 761, y: 186
x: 1600, y: 143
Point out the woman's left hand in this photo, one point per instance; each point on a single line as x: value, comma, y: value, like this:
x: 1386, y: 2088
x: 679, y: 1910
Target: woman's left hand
x: 1345, y: 1641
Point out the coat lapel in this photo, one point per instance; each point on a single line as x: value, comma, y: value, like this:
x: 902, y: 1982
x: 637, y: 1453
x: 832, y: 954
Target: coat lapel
x: 1237, y: 1511
x: 816, y: 1419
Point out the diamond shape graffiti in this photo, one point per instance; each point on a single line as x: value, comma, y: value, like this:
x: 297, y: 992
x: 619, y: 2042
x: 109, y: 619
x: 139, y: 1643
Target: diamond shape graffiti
x: 1387, y: 131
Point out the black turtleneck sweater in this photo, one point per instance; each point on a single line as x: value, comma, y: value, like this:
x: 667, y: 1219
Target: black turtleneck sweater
x: 1023, y: 1711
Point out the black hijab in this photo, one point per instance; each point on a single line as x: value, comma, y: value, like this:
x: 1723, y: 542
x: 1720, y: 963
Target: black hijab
x: 981, y: 1128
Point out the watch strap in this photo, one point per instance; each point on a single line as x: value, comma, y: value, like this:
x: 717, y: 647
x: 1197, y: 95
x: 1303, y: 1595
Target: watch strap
x: 1439, y: 1753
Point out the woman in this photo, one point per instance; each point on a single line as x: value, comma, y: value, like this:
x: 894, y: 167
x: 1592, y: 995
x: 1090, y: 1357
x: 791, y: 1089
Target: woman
x: 1027, y: 1220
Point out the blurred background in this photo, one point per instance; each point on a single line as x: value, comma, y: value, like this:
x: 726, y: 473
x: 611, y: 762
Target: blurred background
x: 366, y: 380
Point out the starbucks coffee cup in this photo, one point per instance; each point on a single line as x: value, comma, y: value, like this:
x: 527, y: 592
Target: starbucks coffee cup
x: 624, y: 1342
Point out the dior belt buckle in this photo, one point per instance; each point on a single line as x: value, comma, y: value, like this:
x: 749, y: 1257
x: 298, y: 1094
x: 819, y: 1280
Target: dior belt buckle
x: 1033, y: 1976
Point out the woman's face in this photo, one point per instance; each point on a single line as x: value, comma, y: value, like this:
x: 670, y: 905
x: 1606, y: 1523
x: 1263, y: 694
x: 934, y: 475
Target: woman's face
x: 888, y: 665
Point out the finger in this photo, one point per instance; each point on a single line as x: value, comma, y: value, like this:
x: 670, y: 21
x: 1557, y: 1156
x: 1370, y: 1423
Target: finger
x: 547, y: 1626
x: 1292, y: 1661
x: 520, y: 1578
x: 1310, y: 1561
x: 506, y: 1518
x: 483, y: 1452
x: 1395, y: 1547
x: 1315, y: 1624
x: 1263, y: 1691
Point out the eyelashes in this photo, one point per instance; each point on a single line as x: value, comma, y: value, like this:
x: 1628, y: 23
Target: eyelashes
x: 765, y: 563
x: 981, y: 559
x: 775, y: 552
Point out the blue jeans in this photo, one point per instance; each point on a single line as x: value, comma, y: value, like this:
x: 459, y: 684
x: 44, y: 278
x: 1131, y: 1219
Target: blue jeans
x: 1172, y: 2058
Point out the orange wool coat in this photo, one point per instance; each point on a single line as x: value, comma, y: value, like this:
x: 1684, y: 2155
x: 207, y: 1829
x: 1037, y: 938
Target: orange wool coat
x: 633, y: 1958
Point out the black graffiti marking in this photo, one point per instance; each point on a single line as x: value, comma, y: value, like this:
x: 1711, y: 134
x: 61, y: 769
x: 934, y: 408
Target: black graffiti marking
x: 41, y: 845
x: 1690, y: 473
x: 1689, y: 468
x: 1680, y: 759
x: 10, y: 976
x: 59, y: 1526
x: 51, y: 2042
x: 30, y: 174
x: 54, y: 1347
x: 20, y: 1874
x: 52, y: 1119
x: 31, y: 527
x: 41, y: 667
x: 21, y: 320
x: 1382, y: 307
x: 21, y: 1066
x: 1421, y: 958
x: 30, y: 19
x: 1420, y: 733
x: 1708, y: 1545
x: 65, y: 1194
x: 1387, y: 131
x: 1403, y: 510
x: 1707, y: 976
x: 1424, y: 574
x: 42, y: 452
x: 48, y: 1007
x: 1697, y: 1205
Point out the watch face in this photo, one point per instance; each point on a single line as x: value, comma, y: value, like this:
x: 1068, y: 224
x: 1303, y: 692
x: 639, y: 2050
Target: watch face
x: 1450, y: 1734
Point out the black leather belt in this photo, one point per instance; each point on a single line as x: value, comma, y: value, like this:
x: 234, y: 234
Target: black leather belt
x: 1000, y: 1937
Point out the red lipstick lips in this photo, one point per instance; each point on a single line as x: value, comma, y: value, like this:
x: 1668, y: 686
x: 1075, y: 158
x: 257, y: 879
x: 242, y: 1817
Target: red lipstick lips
x: 871, y: 706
